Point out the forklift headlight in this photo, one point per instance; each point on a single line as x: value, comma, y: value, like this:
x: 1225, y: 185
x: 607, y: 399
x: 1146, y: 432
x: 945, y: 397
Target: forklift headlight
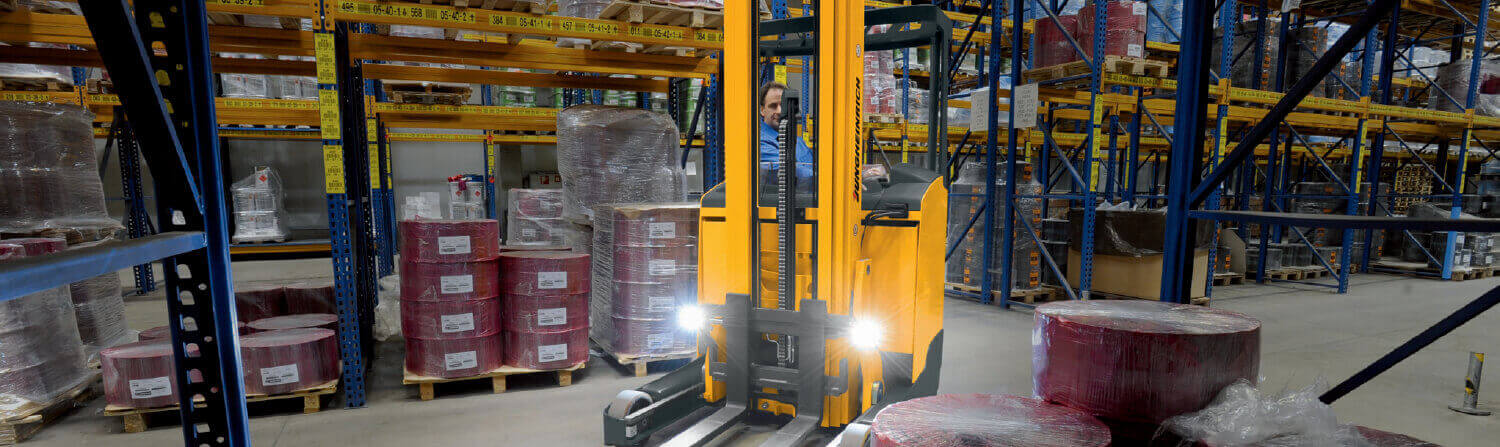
x: 691, y: 318
x: 865, y: 334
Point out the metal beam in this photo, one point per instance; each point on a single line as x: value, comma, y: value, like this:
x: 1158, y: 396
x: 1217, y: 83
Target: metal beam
x: 34, y: 274
x: 1187, y: 147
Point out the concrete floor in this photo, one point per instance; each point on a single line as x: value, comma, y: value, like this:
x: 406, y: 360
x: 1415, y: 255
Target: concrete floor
x: 1308, y: 334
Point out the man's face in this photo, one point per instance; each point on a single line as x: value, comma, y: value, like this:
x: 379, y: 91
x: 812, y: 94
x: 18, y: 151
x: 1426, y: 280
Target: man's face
x: 770, y: 110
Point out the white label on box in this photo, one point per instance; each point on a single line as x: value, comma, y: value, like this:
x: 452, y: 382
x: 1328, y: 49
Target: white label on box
x: 279, y: 375
x: 1138, y: 9
x: 149, y: 388
x: 1026, y: 105
x: 528, y: 232
x: 461, y: 360
x: 457, y: 322
x: 660, y: 267
x: 453, y: 245
x: 659, y: 341
x: 660, y: 303
x: 1134, y: 50
x: 551, y: 317
x: 551, y: 353
x: 456, y: 284
x: 662, y: 230
x: 551, y: 280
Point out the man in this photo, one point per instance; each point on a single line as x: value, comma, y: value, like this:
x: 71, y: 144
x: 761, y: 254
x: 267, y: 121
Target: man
x: 770, y: 122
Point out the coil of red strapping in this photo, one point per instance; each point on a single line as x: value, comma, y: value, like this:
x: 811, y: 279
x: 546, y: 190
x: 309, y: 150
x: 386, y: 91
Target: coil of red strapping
x: 546, y: 350
x: 643, y: 336
x: 450, y: 319
x: 1124, y: 29
x: 638, y: 263
x: 984, y: 420
x: 254, y: 301
x: 431, y: 240
x: 37, y: 246
x: 523, y: 247
x: 459, y: 281
x: 1140, y: 361
x: 164, y: 333
x: 288, y: 360
x: 1052, y: 41
x: 325, y: 321
x: 457, y: 357
x: 549, y: 313
x: 656, y: 224
x: 139, y: 375
x: 310, y: 297
x: 544, y: 273
x: 653, y: 299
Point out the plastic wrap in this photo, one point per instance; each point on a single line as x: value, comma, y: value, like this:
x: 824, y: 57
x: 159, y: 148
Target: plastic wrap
x: 647, y: 255
x: 544, y: 273
x: 1242, y: 415
x: 457, y: 281
x: 534, y: 217
x: 311, y: 297
x: 1381, y: 438
x: 388, y: 308
x: 1242, y: 74
x: 650, y: 336
x: 258, y: 212
x: 48, y: 171
x: 452, y: 358
x: 257, y: 300
x: 41, y: 356
x: 99, y: 310
x: 450, y: 319
x: 917, y: 100
x: 1124, y: 29
x: 966, y: 266
x: 325, y: 321
x: 1180, y: 356
x: 241, y: 85
x: 616, y: 155
x: 1454, y: 78
x: 39, y: 75
x: 546, y: 350
x: 288, y: 360
x: 427, y: 205
x: 38, y: 246
x: 984, y: 420
x: 550, y: 313
x: 449, y: 240
x: 1052, y: 47
x: 1130, y: 232
x: 509, y: 247
x: 156, y: 334
x: 139, y: 375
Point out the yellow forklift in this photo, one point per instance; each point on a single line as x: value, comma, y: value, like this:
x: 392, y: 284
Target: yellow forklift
x: 820, y: 299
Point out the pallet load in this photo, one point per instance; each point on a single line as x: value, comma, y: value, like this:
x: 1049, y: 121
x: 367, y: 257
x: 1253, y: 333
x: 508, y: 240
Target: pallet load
x: 545, y: 309
x: 1128, y: 252
x: 1181, y: 357
x: 310, y: 297
x: 50, y: 175
x: 259, y: 215
x: 984, y: 420
x: 1454, y: 78
x: 41, y: 356
x: 966, y: 265
x: 535, y: 217
x: 1052, y: 46
x: 140, y: 374
x: 880, y: 79
x: 650, y: 255
x: 450, y: 293
x: 99, y: 310
x: 286, y: 360
x: 616, y: 155
x: 1124, y: 28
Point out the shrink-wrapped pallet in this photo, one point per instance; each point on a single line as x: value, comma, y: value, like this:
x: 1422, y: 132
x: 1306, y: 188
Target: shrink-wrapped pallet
x: 541, y: 313
x: 99, y: 310
x: 325, y: 321
x: 544, y: 273
x: 455, y: 281
x: 287, y: 360
x: 1124, y: 29
x: 616, y: 155
x: 434, y: 240
x: 534, y: 217
x: 984, y: 420
x: 450, y: 319
x: 259, y: 215
x: 310, y: 297
x: 1453, y: 78
x: 41, y: 356
x: 649, y: 256
x: 545, y: 311
x: 49, y: 173
x: 455, y: 357
x: 546, y: 350
x: 1052, y: 46
x: 257, y: 300
x: 140, y: 374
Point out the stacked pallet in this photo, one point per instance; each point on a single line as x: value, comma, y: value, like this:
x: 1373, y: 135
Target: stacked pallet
x: 450, y: 305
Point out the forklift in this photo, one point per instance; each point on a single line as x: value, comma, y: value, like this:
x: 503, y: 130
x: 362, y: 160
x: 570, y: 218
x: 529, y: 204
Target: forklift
x: 832, y: 307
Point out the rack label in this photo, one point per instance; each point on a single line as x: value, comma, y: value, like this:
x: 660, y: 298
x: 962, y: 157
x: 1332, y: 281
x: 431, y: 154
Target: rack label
x: 327, y: 64
x: 456, y: 284
x: 662, y: 230
x: 589, y: 27
x: 149, y: 388
x: 407, y: 11
x: 453, y: 245
x: 661, y: 267
x: 333, y: 169
x: 461, y: 360
x: 551, y: 317
x: 35, y: 97
x: 527, y: 22
x: 279, y: 375
x: 551, y: 280
x: 708, y: 36
x: 456, y: 323
x: 328, y: 114
x: 660, y: 303
x: 256, y: 3
x: 551, y: 353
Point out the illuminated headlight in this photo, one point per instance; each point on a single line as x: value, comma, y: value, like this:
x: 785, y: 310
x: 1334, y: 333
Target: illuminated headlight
x: 691, y: 318
x: 865, y: 334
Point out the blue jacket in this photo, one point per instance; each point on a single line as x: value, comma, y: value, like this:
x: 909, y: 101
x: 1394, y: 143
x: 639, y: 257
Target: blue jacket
x: 770, y: 154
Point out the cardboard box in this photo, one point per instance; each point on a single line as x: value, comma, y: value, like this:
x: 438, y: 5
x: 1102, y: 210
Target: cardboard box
x: 1132, y: 276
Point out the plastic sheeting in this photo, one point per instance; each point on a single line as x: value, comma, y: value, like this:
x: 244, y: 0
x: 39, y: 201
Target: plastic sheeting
x: 984, y: 420
x: 966, y: 266
x: 1243, y: 415
x: 546, y: 350
x: 257, y: 300
x: 258, y: 212
x: 456, y: 281
x: 648, y: 254
x: 1124, y: 29
x: 535, y: 217
x: 616, y: 155
x: 325, y: 321
x: 288, y: 360
x: 455, y: 357
x: 1179, y: 356
x: 139, y: 375
x: 99, y: 310
x: 41, y: 356
x: 388, y: 308
x: 449, y: 240
x: 1454, y: 79
x: 48, y: 171
x: 450, y: 319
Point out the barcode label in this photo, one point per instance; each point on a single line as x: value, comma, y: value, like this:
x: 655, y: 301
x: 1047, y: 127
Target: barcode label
x: 1134, y: 50
x: 662, y: 230
x: 551, y: 353
x: 659, y: 267
x: 528, y: 232
x: 456, y: 284
x: 279, y: 375
x: 551, y: 280
x: 661, y: 303
x: 461, y: 360
x: 453, y: 245
x: 659, y: 341
x: 149, y: 388
x: 1138, y: 9
x: 551, y: 317
x: 457, y: 322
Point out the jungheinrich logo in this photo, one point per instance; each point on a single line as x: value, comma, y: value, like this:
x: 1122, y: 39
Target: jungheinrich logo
x: 859, y: 138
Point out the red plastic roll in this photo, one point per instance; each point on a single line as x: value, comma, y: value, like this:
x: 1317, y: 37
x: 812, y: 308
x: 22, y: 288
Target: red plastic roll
x: 655, y: 264
x: 37, y: 246
x: 656, y: 224
x: 460, y: 281
x: 1380, y: 438
x: 450, y: 240
x: 325, y: 321
x: 531, y: 313
x: 984, y: 420
x: 288, y: 360
x: 652, y: 299
x: 638, y: 336
x: 1178, y: 357
x: 156, y: 333
x: 544, y: 273
x: 1052, y: 42
x: 139, y: 375
x: 312, y: 297
x: 459, y: 357
x: 546, y: 350
x: 450, y: 319
x: 1124, y: 28
x: 525, y: 247
x: 254, y: 301
x: 9, y: 251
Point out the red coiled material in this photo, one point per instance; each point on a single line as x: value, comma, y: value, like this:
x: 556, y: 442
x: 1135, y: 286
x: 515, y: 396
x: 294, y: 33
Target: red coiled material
x: 638, y: 336
x: 984, y: 420
x: 460, y: 281
x: 450, y: 319
x: 449, y: 240
x: 452, y: 358
x: 652, y: 300
x: 139, y: 375
x: 163, y: 333
x: 546, y: 350
x: 325, y: 321
x: 520, y: 247
x: 1052, y: 43
x: 1140, y: 361
x: 37, y: 246
x: 656, y: 224
x: 638, y: 263
x: 312, y: 297
x: 254, y: 301
x: 1124, y: 29
x: 544, y: 273
x: 288, y: 360
x: 546, y: 313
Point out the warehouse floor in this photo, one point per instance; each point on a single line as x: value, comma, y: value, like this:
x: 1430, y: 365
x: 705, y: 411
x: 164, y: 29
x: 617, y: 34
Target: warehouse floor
x: 1309, y: 333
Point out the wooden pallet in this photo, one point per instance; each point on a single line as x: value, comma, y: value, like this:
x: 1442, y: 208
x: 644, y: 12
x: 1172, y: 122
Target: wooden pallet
x: 1111, y: 64
x: 640, y: 364
x: 135, y: 419
x: 653, y: 13
x: 1422, y: 270
x: 497, y: 377
x: 1284, y: 273
x: 427, y: 93
x: 496, y: 5
x: 32, y: 417
x: 883, y: 118
x: 1040, y: 294
x: 33, y: 85
x: 1225, y: 279
x: 1097, y: 295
